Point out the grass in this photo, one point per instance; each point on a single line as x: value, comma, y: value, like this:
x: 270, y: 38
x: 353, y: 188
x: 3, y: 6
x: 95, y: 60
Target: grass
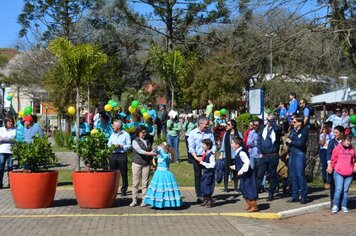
x: 60, y: 149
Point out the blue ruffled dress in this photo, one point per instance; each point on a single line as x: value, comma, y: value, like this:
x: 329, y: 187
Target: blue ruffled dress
x: 163, y: 191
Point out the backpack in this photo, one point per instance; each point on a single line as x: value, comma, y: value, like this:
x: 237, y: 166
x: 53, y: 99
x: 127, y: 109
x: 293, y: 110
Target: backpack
x: 311, y: 111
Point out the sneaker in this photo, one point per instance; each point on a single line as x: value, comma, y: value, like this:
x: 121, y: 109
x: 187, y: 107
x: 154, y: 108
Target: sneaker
x: 345, y: 209
x: 143, y: 204
x: 335, y: 209
x: 133, y: 204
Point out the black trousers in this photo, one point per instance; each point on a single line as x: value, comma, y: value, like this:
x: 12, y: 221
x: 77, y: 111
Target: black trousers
x: 197, y: 177
x: 118, y: 161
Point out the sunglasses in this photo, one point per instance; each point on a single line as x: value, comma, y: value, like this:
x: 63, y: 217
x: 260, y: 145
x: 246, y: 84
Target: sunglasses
x: 337, y: 110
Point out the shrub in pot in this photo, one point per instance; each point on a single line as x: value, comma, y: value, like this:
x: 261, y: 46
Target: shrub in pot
x: 34, y: 186
x: 96, y: 187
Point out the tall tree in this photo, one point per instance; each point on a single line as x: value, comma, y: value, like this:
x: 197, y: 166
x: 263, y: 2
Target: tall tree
x: 79, y: 63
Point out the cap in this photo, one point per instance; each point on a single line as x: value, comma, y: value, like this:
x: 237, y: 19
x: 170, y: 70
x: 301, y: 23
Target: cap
x: 190, y: 115
x: 173, y: 114
x: 149, y: 104
x: 28, y: 118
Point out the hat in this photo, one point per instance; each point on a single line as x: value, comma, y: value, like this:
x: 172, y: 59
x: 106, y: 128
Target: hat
x: 28, y: 118
x: 149, y: 104
x: 173, y: 114
x: 190, y: 115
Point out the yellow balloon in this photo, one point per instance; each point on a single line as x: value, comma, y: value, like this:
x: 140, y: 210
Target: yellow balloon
x: 94, y: 132
x: 21, y: 114
x: 146, y: 115
x: 71, y: 110
x: 132, y: 129
x: 11, y: 94
x: 216, y: 113
x: 116, y: 108
x: 132, y: 109
x: 107, y: 107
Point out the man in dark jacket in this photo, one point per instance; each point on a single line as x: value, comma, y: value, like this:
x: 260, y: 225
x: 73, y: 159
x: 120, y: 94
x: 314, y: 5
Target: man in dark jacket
x: 268, y: 147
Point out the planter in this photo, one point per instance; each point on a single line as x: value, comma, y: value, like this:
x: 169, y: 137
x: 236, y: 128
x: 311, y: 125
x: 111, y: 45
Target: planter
x: 33, y: 189
x: 95, y: 189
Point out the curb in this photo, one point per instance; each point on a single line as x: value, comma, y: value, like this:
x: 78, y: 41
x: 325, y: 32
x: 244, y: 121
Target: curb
x: 303, y: 210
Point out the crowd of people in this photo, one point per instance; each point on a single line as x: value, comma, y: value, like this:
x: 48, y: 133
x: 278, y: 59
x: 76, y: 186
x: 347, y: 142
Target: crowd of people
x: 270, y: 151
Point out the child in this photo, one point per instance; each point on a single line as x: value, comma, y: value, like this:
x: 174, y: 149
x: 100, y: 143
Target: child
x: 163, y: 191
x: 325, y: 136
x: 247, y: 178
x: 150, y: 128
x: 207, y: 182
x: 342, y: 162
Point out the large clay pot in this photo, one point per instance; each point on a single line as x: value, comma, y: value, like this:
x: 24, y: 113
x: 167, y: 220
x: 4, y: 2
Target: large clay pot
x: 95, y: 189
x: 33, y: 189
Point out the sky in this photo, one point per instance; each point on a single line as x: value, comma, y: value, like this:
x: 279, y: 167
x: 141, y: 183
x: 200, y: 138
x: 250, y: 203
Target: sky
x: 9, y: 10
x: 9, y: 28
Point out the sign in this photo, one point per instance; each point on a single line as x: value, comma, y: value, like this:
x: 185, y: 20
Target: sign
x: 255, y: 101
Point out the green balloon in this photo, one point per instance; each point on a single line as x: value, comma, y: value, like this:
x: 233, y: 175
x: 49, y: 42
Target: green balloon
x: 135, y: 104
x: 27, y: 111
x: 111, y: 102
x: 9, y: 98
x: 143, y: 110
x: 353, y: 119
x: 115, y: 104
x: 223, y: 111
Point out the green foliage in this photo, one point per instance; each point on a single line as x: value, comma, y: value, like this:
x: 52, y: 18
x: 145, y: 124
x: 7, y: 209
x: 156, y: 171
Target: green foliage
x: 243, y: 120
x: 62, y: 139
x: 34, y: 155
x: 94, y: 151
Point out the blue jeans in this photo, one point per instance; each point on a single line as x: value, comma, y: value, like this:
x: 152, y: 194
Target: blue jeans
x: 174, y: 142
x: 297, y: 163
x: 324, y: 164
x: 269, y: 165
x: 342, y: 185
x: 5, y: 158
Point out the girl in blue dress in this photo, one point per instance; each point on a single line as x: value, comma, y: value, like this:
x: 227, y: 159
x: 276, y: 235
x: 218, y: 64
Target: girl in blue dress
x: 163, y: 191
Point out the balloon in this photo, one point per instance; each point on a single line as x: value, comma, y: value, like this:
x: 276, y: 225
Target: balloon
x: 27, y: 111
x: 108, y: 107
x: 135, y: 103
x: 71, y: 110
x: 11, y: 94
x: 21, y: 114
x: 353, y: 119
x: 111, y: 102
x: 9, y: 98
x: 116, y: 108
x: 132, y: 129
x: 115, y: 104
x: 216, y: 113
x: 132, y: 109
x: 145, y: 115
x: 143, y: 110
x: 223, y: 111
x: 94, y: 132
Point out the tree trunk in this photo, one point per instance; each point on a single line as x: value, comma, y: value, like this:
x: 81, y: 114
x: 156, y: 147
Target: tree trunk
x: 77, y: 167
x: 172, y: 105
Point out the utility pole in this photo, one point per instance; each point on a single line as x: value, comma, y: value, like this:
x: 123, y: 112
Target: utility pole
x: 270, y: 36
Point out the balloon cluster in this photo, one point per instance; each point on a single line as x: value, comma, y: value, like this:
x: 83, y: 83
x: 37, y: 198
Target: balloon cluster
x: 134, y: 106
x: 71, y: 110
x: 25, y: 112
x: 353, y: 119
x: 112, y: 104
x: 10, y: 96
x: 222, y: 111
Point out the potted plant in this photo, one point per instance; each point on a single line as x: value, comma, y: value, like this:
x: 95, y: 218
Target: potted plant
x: 34, y: 186
x: 97, y: 186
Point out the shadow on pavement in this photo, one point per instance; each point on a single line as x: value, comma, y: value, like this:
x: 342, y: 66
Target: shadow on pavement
x: 64, y: 202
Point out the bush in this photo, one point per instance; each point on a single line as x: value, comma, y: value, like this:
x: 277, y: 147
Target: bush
x: 62, y: 139
x: 34, y: 155
x: 243, y: 120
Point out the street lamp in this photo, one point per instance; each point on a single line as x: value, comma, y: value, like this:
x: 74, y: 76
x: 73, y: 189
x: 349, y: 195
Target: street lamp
x: 46, y: 107
x: 270, y: 36
x: 3, y: 86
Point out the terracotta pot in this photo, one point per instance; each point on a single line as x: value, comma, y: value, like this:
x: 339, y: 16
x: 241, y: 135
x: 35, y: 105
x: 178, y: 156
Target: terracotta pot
x: 95, y: 189
x: 33, y: 189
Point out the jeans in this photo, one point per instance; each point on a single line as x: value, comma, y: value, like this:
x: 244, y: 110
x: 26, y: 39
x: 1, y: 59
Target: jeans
x: 174, y: 142
x: 5, y: 158
x: 269, y: 165
x: 342, y: 185
x: 297, y: 163
x: 324, y: 164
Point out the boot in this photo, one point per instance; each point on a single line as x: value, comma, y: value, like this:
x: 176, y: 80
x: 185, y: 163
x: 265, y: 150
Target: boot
x: 248, y: 205
x: 253, y: 205
x: 205, y: 201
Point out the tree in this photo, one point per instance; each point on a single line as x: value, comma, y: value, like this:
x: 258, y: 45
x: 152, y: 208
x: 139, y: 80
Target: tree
x: 172, y: 67
x: 79, y: 64
x: 179, y: 18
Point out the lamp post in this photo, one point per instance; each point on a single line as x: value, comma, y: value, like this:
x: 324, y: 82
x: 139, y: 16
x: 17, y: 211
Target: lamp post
x: 270, y: 36
x: 3, y: 86
x: 46, y: 107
